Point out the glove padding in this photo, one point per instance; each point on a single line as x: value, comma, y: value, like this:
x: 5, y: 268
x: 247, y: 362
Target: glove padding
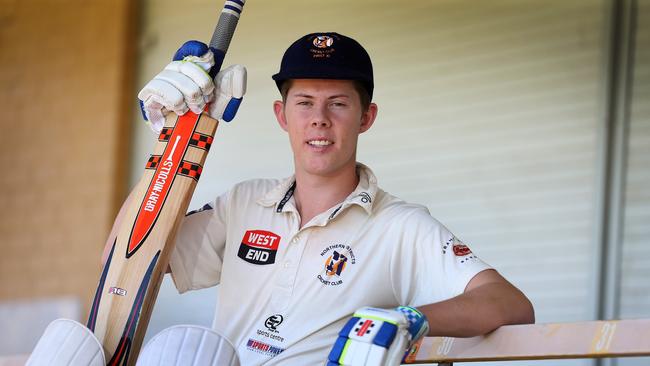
x: 185, y: 84
x: 378, y: 337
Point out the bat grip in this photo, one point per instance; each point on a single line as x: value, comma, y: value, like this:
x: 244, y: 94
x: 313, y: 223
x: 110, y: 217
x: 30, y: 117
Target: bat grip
x: 225, y: 29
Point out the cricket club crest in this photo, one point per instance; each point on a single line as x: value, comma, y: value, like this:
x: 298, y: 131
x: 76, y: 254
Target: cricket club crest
x: 335, y: 264
x: 323, y: 41
x: 337, y: 257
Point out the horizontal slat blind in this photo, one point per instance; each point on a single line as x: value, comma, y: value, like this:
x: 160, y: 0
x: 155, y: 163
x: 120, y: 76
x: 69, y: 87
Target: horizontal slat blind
x: 490, y: 119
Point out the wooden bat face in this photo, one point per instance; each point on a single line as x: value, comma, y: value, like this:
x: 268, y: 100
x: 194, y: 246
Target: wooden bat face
x: 139, y: 257
x: 133, y: 272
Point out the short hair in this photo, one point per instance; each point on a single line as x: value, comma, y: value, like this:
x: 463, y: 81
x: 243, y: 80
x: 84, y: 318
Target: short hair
x: 364, y: 96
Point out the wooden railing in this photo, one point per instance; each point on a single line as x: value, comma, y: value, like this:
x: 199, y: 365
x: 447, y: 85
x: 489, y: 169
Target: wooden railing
x: 593, y: 339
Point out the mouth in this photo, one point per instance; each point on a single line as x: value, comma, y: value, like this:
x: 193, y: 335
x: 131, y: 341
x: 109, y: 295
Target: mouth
x: 320, y: 143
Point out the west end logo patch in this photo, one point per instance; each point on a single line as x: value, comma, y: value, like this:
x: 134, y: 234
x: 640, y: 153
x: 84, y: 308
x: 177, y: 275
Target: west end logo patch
x: 259, y: 247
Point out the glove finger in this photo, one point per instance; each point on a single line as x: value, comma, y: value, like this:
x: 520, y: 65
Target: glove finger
x: 198, y: 76
x: 239, y: 81
x: 154, y: 106
x: 197, y: 52
x: 217, y: 107
x: 205, y: 61
x: 190, y: 90
x: 195, y: 73
x: 155, y: 113
x: 164, y: 93
x: 197, y: 107
x: 224, y: 108
x: 231, y: 81
x: 230, y: 88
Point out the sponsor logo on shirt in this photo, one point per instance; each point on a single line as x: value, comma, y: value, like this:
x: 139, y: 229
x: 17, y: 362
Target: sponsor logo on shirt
x: 337, y: 258
x: 272, y: 323
x: 263, y: 348
x: 259, y: 247
x: 364, y: 197
x: 459, y: 249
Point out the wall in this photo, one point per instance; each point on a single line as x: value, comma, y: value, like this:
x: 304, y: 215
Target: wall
x: 490, y: 113
x: 64, y: 67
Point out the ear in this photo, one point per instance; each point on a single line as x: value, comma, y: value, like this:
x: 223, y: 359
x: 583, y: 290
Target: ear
x: 368, y: 118
x: 278, y: 109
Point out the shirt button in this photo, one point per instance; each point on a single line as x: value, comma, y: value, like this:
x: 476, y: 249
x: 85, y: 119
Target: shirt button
x: 287, y: 264
x: 295, y: 240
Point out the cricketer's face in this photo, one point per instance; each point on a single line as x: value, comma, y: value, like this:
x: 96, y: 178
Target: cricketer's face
x: 323, y: 119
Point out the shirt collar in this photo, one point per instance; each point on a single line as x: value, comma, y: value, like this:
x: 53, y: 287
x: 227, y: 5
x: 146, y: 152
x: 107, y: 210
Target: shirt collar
x: 363, y: 195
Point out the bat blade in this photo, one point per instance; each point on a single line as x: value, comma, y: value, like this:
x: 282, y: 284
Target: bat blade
x: 131, y: 276
x: 133, y: 272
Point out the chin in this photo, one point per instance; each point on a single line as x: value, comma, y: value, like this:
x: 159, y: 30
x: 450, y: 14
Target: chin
x: 320, y: 171
x: 323, y: 168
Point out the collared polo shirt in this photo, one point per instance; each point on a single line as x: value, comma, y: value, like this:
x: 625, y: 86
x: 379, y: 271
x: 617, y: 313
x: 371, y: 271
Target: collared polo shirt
x: 286, y: 291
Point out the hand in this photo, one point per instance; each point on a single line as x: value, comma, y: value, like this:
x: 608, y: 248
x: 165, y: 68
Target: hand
x: 378, y: 337
x: 185, y: 84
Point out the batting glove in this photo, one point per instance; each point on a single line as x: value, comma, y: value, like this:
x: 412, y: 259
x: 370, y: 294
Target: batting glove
x: 378, y: 337
x: 189, y: 83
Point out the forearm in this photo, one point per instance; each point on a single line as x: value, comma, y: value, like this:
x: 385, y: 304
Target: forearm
x: 479, y: 311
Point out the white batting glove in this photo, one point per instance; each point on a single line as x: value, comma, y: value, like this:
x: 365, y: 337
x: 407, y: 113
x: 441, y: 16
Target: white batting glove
x: 378, y: 337
x: 185, y: 84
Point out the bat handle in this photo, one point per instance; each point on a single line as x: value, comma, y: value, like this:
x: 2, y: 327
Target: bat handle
x: 225, y: 29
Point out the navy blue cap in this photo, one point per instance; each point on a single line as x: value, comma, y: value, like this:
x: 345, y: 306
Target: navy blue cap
x: 326, y: 55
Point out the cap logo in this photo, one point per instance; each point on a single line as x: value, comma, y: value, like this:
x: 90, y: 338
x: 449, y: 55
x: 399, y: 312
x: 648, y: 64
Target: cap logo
x: 323, y: 41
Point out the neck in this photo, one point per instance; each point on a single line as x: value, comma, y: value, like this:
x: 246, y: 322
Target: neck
x: 316, y: 194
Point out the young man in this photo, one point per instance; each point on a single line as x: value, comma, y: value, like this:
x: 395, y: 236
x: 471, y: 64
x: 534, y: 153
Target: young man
x: 295, y: 258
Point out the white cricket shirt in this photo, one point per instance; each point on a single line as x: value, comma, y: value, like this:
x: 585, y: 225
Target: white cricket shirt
x: 285, y: 292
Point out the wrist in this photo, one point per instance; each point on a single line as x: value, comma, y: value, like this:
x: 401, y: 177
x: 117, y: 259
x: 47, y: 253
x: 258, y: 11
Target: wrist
x: 418, y: 322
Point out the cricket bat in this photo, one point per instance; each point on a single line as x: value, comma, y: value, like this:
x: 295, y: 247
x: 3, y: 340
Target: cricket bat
x: 132, y: 274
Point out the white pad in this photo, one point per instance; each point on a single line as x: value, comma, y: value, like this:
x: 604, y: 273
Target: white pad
x: 67, y: 343
x: 188, y: 345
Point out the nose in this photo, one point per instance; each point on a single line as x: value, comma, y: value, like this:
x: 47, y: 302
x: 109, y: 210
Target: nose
x: 320, y: 118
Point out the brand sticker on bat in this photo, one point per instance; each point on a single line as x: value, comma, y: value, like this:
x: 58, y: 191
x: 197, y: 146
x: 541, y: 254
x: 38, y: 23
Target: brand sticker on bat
x: 162, y: 181
x: 117, y: 291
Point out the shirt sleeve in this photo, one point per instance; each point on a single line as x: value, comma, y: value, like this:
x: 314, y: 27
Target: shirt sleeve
x: 430, y: 263
x: 197, y: 259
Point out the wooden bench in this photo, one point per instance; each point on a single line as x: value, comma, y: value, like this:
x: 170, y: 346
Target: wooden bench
x: 593, y: 339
